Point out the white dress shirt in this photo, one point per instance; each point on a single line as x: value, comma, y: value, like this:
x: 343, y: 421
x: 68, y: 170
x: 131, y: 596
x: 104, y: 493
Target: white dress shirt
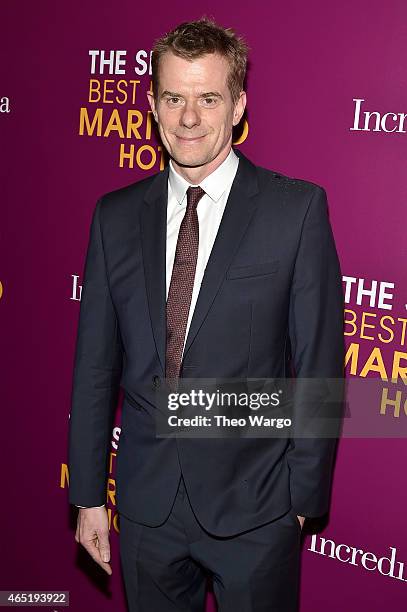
x: 210, y: 209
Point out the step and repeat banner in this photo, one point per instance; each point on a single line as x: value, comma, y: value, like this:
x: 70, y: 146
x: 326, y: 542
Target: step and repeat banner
x: 327, y: 102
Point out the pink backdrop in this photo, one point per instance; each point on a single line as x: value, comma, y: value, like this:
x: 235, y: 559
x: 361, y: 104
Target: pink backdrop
x: 310, y: 61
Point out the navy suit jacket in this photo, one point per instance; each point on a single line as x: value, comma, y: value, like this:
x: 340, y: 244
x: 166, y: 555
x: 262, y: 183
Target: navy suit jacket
x: 271, y: 301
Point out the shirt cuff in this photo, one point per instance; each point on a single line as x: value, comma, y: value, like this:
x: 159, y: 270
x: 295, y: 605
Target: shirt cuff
x: 89, y: 506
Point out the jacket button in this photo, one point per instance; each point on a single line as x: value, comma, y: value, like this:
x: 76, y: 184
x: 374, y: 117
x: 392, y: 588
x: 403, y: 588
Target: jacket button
x: 156, y: 380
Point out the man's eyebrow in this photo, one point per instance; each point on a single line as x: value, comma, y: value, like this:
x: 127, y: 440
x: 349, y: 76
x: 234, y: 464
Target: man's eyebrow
x: 207, y: 94
x: 211, y: 94
x: 173, y: 94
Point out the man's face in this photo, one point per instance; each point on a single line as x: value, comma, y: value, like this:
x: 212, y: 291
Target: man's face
x: 194, y: 108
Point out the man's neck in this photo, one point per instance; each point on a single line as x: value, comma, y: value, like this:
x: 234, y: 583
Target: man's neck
x: 196, y: 175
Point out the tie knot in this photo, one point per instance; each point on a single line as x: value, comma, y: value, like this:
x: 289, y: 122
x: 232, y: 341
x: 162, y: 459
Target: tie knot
x: 194, y: 194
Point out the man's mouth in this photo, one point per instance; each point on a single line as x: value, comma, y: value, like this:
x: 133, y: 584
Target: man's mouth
x: 190, y: 140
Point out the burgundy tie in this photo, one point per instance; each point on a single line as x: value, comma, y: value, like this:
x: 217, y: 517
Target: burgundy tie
x: 182, y: 282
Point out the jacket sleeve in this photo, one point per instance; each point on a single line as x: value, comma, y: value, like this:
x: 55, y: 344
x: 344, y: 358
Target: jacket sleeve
x: 317, y: 351
x: 96, y: 378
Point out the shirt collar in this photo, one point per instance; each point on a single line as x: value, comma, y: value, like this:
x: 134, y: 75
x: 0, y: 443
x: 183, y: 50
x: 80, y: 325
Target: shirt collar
x: 214, y: 184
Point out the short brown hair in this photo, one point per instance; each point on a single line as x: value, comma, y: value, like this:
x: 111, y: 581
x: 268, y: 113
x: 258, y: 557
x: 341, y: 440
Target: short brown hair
x: 193, y: 39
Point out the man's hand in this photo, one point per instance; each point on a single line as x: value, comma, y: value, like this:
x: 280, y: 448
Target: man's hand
x: 301, y: 520
x: 92, y: 531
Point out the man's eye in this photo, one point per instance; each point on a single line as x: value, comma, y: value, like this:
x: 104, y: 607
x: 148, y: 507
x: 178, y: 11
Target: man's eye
x: 209, y: 101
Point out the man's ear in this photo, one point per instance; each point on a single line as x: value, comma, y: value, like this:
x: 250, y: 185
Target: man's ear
x: 151, y: 102
x: 239, y: 108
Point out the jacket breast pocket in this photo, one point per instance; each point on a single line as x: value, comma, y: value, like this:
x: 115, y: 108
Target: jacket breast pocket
x: 258, y: 269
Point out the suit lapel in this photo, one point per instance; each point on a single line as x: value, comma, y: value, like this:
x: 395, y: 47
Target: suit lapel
x: 238, y: 212
x: 236, y: 217
x: 153, y: 221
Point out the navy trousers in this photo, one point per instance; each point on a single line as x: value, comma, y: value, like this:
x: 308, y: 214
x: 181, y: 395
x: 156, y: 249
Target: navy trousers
x: 166, y: 568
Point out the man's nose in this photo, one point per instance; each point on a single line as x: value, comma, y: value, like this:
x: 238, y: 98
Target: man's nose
x: 190, y: 115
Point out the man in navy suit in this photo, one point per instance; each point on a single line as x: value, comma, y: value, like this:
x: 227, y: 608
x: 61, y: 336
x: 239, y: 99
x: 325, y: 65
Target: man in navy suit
x: 211, y: 268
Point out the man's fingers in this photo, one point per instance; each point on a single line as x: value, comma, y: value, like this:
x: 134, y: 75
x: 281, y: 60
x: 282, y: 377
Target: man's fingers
x: 103, y: 546
x: 93, y: 533
x: 301, y: 520
x: 94, y: 552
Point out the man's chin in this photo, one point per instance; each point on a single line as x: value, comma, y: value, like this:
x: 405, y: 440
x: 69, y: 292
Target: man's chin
x: 189, y: 161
